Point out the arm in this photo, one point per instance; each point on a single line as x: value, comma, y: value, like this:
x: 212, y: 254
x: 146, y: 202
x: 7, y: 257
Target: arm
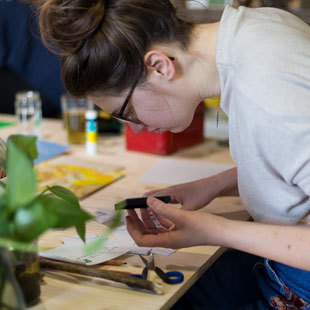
x: 286, y: 244
x: 228, y: 183
x: 289, y: 245
x: 197, y: 194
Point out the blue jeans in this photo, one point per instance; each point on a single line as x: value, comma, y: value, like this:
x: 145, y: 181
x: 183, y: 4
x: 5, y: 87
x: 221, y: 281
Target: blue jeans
x: 241, y: 281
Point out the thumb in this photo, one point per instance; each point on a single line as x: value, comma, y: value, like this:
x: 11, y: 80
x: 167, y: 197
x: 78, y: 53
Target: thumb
x: 164, y: 210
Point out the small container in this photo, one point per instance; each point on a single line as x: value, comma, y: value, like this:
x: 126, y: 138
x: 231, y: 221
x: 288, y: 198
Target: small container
x: 91, y: 131
x: 73, y: 111
x: 28, y: 112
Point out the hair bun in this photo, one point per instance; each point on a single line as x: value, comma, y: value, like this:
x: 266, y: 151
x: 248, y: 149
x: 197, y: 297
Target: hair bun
x: 65, y: 25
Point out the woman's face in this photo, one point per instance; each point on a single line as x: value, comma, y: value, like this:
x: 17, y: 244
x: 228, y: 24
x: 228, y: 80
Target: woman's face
x: 156, y: 109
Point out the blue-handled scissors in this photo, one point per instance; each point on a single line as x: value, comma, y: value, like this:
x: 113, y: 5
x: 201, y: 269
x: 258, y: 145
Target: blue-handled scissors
x: 170, y: 277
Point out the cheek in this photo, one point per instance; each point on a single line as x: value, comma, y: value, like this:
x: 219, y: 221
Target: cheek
x: 154, y: 111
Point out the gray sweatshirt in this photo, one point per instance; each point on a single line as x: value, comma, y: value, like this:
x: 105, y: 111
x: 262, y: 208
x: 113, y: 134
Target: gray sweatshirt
x: 263, y: 58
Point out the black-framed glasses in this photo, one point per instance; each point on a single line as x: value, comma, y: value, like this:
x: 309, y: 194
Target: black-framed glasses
x: 127, y: 118
x: 130, y: 118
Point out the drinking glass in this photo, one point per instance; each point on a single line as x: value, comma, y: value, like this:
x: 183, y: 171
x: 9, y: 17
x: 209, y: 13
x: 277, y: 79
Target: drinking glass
x: 73, y: 111
x: 28, y: 112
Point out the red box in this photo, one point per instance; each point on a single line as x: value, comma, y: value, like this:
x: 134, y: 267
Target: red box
x: 168, y: 142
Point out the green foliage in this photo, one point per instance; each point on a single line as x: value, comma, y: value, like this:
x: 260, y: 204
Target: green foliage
x: 24, y: 214
x: 21, y: 182
x: 100, y: 241
x: 2, y: 153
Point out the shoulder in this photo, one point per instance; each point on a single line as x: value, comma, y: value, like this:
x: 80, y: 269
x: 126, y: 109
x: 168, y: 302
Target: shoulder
x: 269, y: 31
x: 270, y: 55
x: 249, y: 38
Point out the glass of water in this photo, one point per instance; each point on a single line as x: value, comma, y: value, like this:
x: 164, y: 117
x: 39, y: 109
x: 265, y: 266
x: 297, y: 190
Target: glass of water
x: 28, y: 112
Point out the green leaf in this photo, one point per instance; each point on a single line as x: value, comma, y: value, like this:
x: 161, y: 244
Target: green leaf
x: 2, y: 184
x: 61, y: 214
x: 97, y: 244
x: 30, y: 222
x: 21, y: 181
x: 81, y: 230
x: 94, y: 246
x: 25, y: 143
x: 65, y: 194
x: 4, y: 224
x: 116, y: 219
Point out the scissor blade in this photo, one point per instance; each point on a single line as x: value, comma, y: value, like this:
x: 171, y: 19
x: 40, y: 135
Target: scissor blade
x: 145, y: 261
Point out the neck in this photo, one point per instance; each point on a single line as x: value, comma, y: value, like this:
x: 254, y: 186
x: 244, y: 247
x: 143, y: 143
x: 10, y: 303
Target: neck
x: 204, y: 76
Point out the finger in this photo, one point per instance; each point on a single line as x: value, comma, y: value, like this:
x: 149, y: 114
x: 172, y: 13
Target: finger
x: 138, y: 223
x: 165, y: 222
x: 150, y: 240
x: 160, y: 208
x: 147, y: 219
x: 161, y: 223
x: 149, y: 228
x: 151, y: 193
x: 133, y: 214
x: 133, y: 229
x: 162, y: 192
x: 151, y: 217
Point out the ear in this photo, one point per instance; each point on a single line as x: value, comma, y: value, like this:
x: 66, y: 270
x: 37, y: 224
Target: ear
x: 160, y: 64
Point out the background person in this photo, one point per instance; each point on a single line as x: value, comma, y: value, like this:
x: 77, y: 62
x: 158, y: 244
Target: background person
x: 25, y: 63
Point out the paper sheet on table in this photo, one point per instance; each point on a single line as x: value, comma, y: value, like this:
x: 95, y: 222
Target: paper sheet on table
x: 47, y: 150
x: 170, y: 171
x: 119, y: 243
x: 73, y: 250
x: 121, y: 233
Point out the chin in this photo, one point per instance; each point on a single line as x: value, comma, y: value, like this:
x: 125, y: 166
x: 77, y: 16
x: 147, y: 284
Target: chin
x: 177, y: 130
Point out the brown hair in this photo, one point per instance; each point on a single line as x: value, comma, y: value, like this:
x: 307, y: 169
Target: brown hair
x: 103, y: 42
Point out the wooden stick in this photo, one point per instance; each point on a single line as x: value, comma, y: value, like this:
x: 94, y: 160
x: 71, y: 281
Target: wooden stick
x: 114, y: 262
x: 103, y: 274
x: 121, y: 272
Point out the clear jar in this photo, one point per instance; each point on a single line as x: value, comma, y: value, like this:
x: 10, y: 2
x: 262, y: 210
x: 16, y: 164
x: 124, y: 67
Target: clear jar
x: 28, y: 111
x: 27, y: 273
x: 19, y: 278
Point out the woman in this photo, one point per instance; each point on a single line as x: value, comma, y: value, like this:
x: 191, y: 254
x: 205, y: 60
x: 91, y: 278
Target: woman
x: 139, y: 61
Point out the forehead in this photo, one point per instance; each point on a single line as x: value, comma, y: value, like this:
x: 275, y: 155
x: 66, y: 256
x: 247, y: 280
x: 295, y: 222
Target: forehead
x: 109, y: 104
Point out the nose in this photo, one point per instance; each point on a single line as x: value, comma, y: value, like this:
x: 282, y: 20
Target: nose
x: 136, y: 128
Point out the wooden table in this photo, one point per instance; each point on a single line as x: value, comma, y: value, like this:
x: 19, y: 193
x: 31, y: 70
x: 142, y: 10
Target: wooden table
x: 193, y: 262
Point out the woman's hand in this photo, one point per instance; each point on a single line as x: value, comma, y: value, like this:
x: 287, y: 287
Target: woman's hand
x: 179, y: 228
x: 197, y: 194
x: 282, y: 243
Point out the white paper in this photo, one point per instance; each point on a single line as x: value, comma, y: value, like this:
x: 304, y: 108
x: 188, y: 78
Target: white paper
x: 73, y: 250
x: 163, y: 251
x: 121, y: 233
x: 104, y: 216
x: 170, y: 171
x: 119, y: 243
